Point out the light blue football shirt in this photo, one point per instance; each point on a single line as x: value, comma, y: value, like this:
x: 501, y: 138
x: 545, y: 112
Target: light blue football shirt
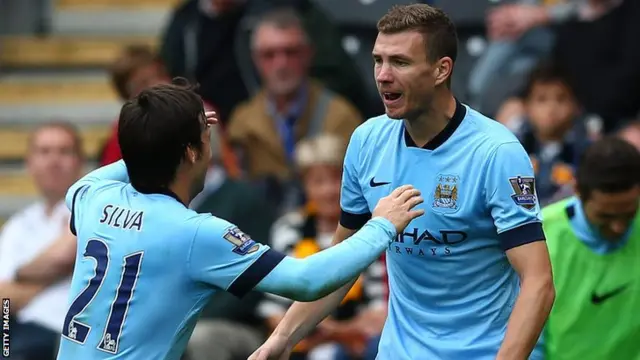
x: 452, y: 287
x: 146, y: 266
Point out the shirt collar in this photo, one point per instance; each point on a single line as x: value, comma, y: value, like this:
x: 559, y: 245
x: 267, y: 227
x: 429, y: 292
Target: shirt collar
x: 295, y: 109
x: 588, y: 234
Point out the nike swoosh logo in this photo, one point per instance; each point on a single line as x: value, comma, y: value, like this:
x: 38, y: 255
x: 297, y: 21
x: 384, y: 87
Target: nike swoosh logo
x: 373, y: 183
x: 599, y: 299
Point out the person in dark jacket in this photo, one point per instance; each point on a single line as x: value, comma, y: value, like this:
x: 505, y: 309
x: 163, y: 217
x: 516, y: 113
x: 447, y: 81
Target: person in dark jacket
x: 208, y: 41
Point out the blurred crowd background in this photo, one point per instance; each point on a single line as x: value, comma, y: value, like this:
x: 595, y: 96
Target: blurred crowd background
x: 290, y: 79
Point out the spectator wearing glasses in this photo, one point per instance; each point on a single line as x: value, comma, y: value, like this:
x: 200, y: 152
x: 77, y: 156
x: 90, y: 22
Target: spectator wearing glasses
x: 290, y: 106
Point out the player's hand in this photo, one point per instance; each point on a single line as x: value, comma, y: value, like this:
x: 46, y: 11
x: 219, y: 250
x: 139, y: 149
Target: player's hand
x: 275, y: 348
x: 212, y: 117
x: 398, y: 206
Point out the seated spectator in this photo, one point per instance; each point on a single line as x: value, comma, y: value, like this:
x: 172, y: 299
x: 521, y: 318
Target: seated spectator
x: 631, y: 133
x: 227, y: 325
x: 138, y: 68
x: 551, y: 130
x: 594, y: 243
x: 55, y: 162
x: 291, y: 106
x: 352, y: 331
x: 208, y: 41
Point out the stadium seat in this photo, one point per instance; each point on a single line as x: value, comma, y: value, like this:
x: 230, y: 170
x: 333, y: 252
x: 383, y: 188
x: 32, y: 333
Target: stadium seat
x: 55, y: 92
x: 13, y: 144
x: 359, y: 12
x: 84, y: 4
x: 471, y: 45
x: 64, y: 51
x: 358, y: 42
x: 16, y: 183
x: 467, y: 12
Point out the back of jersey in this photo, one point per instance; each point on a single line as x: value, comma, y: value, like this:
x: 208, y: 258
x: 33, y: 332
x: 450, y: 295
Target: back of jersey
x: 132, y: 296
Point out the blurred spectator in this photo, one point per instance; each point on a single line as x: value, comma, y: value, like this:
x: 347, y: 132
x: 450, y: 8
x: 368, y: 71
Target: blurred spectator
x: 520, y: 38
x: 291, y: 106
x: 550, y: 129
x: 55, y: 162
x: 631, y: 133
x: 353, y: 329
x: 594, y: 243
x: 137, y: 68
x: 227, y: 325
x: 209, y: 41
x: 600, y: 52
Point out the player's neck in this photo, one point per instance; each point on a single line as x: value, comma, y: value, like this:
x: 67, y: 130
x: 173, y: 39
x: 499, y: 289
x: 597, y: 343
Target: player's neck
x: 183, y: 192
x: 430, y: 123
x: 50, y: 203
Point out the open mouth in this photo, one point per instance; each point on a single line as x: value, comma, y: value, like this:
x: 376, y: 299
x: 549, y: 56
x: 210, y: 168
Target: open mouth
x: 391, y: 96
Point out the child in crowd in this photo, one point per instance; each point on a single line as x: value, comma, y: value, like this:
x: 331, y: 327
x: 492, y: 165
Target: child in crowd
x: 552, y: 129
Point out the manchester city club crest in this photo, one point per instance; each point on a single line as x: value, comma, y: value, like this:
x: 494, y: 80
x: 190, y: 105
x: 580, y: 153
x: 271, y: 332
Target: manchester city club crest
x: 446, y: 193
x: 524, y: 188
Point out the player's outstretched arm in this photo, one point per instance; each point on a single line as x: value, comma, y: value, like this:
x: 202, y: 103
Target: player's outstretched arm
x: 303, y: 317
x: 319, y: 275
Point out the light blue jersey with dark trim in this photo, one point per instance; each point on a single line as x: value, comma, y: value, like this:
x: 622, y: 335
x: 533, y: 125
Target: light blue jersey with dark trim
x: 146, y: 266
x: 452, y: 288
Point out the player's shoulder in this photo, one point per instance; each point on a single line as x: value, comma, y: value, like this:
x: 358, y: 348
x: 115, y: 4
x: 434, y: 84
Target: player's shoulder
x: 206, y: 224
x: 374, y: 129
x: 490, y: 133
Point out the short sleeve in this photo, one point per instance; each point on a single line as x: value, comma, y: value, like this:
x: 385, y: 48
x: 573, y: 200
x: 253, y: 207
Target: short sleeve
x: 223, y: 256
x: 76, y: 194
x: 355, y: 210
x: 511, y: 196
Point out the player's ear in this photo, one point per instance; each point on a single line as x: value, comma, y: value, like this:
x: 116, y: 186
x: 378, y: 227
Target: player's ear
x: 192, y: 155
x: 443, y: 69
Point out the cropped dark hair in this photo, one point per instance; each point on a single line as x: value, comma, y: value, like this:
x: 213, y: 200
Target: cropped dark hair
x: 436, y: 27
x: 547, y: 72
x: 610, y: 165
x: 156, y: 128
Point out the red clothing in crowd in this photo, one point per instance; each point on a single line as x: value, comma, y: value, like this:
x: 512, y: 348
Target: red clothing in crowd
x: 111, y: 151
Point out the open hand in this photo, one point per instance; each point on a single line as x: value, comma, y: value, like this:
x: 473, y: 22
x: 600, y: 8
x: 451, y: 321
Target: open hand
x: 398, y: 206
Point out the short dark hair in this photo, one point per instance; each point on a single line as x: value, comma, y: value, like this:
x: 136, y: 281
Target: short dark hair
x: 65, y: 126
x: 132, y: 58
x: 609, y: 165
x: 547, y: 72
x: 282, y: 18
x: 439, y: 32
x: 156, y: 128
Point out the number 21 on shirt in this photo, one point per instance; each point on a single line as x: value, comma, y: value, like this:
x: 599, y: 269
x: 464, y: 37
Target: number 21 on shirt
x: 77, y: 331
